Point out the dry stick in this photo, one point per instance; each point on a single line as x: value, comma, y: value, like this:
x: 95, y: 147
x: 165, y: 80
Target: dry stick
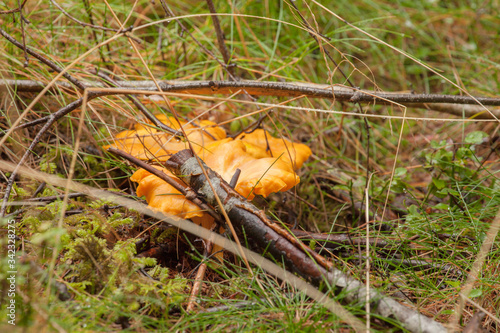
x: 199, y: 231
x: 44, y: 60
x: 19, y: 8
x: 151, y: 117
x: 198, y: 280
x: 169, y: 12
x: 414, y: 263
x: 50, y: 121
x: 334, y: 241
x: 338, y: 93
x: 189, y: 194
x: 220, y: 39
x: 240, y: 212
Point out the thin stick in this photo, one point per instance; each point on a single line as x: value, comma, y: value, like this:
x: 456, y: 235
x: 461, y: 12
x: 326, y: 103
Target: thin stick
x: 169, y: 180
x: 198, y: 281
x: 170, y: 13
x: 14, y: 10
x: 337, y: 93
x: 44, y: 60
x: 220, y: 37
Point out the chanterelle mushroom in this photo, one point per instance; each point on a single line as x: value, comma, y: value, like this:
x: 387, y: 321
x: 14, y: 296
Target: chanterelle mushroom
x: 267, y: 164
x: 146, y: 142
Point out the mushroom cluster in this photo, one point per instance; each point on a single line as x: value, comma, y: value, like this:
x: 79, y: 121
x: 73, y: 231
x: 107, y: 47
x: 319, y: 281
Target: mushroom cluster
x: 267, y: 164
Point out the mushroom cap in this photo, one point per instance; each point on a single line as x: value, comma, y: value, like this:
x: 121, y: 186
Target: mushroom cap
x: 146, y: 142
x: 261, y: 176
x: 294, y: 153
x: 163, y: 196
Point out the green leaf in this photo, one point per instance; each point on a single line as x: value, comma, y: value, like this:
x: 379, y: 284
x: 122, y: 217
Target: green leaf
x: 442, y: 206
x: 452, y: 283
x: 475, y: 293
x: 439, y: 183
x: 399, y: 172
x: 475, y: 137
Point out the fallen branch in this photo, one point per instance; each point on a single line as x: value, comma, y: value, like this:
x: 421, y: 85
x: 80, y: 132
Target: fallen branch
x: 457, y: 105
x: 249, y: 220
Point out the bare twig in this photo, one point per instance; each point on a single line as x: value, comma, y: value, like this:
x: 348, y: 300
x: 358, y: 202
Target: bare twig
x: 220, y: 38
x: 163, y: 176
x: 460, y: 105
x: 15, y: 10
x: 151, y: 117
x: 169, y: 12
x: 44, y: 60
x: 198, y: 281
x: 334, y: 241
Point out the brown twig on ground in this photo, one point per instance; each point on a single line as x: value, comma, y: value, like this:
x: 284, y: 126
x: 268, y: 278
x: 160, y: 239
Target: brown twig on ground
x: 334, y: 241
x: 15, y: 10
x: 244, y: 217
x: 416, y: 264
x: 44, y: 60
x: 454, y: 104
x: 50, y: 120
x: 160, y: 174
x: 220, y: 39
x: 200, y: 274
x: 151, y: 117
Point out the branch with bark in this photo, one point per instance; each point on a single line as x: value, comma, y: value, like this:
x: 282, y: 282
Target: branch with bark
x: 249, y: 220
x: 462, y: 106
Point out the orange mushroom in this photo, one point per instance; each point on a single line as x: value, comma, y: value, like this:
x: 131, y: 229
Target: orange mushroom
x: 267, y: 164
x: 294, y: 153
x: 147, y: 142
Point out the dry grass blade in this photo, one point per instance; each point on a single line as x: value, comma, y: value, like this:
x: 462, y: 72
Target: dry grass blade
x: 192, y: 228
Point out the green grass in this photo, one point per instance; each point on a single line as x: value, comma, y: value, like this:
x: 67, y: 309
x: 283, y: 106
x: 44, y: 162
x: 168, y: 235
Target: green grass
x: 445, y: 189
